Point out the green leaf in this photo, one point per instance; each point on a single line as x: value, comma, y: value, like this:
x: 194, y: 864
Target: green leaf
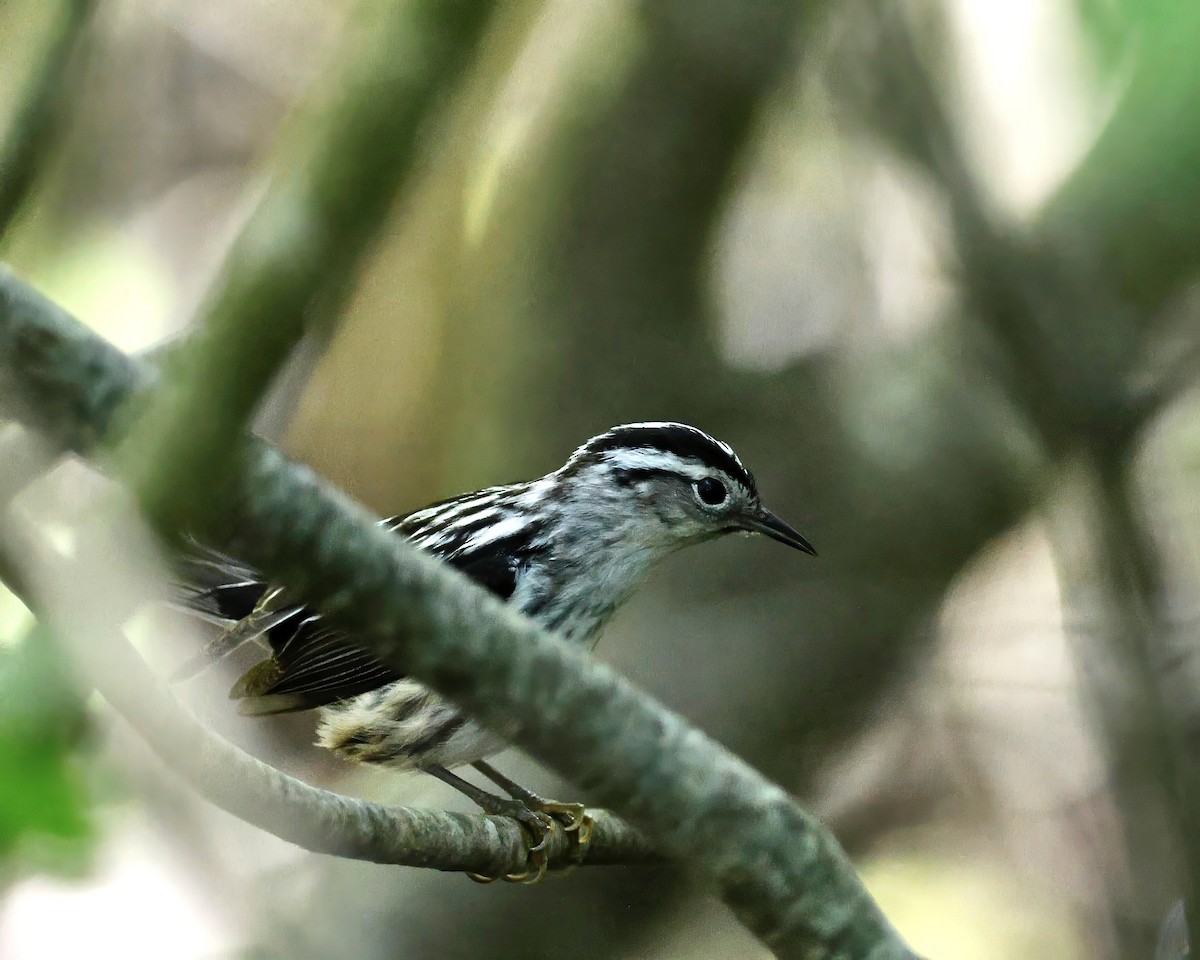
x: 44, y: 801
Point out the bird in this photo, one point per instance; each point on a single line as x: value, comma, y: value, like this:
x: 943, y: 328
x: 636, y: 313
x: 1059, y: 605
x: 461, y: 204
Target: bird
x: 567, y: 550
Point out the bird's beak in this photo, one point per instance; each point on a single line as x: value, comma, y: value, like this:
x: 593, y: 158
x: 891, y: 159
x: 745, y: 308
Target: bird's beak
x: 765, y: 522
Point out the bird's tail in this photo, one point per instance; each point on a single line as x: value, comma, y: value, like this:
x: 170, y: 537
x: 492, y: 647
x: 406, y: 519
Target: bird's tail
x: 226, y: 592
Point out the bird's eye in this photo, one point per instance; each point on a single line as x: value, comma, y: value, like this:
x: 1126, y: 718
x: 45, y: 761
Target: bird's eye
x: 710, y: 491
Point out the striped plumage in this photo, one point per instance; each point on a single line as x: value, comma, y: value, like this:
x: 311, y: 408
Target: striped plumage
x: 566, y: 549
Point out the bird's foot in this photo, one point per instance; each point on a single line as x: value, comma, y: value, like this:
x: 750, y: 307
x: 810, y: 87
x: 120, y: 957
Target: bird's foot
x: 538, y: 824
x: 573, y: 816
x: 536, y: 814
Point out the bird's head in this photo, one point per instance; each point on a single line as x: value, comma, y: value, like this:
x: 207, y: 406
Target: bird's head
x: 667, y: 485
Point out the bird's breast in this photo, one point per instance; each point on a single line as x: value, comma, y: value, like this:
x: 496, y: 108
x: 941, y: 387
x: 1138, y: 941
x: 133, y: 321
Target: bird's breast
x: 576, y: 583
x: 573, y: 611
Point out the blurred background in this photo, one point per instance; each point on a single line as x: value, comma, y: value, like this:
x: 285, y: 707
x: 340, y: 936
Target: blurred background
x: 927, y: 266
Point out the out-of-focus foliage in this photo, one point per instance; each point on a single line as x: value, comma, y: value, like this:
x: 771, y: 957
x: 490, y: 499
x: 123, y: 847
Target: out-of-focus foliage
x: 953, y: 662
x: 1145, y: 227
x: 1156, y: 34
x: 45, y: 821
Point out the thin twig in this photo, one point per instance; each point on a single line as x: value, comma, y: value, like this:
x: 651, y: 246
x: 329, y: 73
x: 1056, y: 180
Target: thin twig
x: 323, y: 821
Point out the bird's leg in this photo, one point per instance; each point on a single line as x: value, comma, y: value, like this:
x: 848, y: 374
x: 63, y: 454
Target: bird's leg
x: 536, y: 822
x: 573, y: 816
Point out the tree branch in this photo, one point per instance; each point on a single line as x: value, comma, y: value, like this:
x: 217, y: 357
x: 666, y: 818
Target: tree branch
x: 1033, y: 296
x: 785, y: 877
x: 32, y: 130
x: 297, y: 254
x: 1134, y: 584
x: 1067, y: 339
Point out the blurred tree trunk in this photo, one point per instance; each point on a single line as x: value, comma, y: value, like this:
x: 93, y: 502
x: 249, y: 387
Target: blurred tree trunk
x: 571, y: 295
x: 588, y: 280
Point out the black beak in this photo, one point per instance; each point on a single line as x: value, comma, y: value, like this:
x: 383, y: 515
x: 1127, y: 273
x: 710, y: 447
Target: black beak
x: 767, y: 523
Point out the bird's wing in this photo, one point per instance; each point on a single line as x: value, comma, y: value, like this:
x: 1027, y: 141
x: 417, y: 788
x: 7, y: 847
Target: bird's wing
x: 312, y: 665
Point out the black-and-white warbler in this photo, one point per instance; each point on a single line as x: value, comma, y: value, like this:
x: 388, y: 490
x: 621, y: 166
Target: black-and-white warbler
x: 567, y: 549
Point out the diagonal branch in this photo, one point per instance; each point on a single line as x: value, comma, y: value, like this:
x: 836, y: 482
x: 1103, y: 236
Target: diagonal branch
x: 784, y: 876
x: 296, y: 256
x: 32, y: 130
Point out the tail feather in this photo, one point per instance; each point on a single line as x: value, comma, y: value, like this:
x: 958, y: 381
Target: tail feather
x: 251, y: 628
x: 216, y: 585
x: 258, y: 680
x: 273, y: 703
x: 308, y: 665
x: 225, y: 591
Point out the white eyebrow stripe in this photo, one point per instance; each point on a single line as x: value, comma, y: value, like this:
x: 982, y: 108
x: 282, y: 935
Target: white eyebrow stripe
x: 650, y: 459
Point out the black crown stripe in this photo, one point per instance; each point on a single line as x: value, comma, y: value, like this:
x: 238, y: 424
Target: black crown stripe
x: 684, y: 442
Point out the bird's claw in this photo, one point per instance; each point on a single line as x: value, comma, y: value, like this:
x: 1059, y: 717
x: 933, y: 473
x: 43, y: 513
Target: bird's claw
x: 573, y: 816
x: 540, y: 821
x: 537, y: 815
x: 537, y: 861
x: 535, y: 869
